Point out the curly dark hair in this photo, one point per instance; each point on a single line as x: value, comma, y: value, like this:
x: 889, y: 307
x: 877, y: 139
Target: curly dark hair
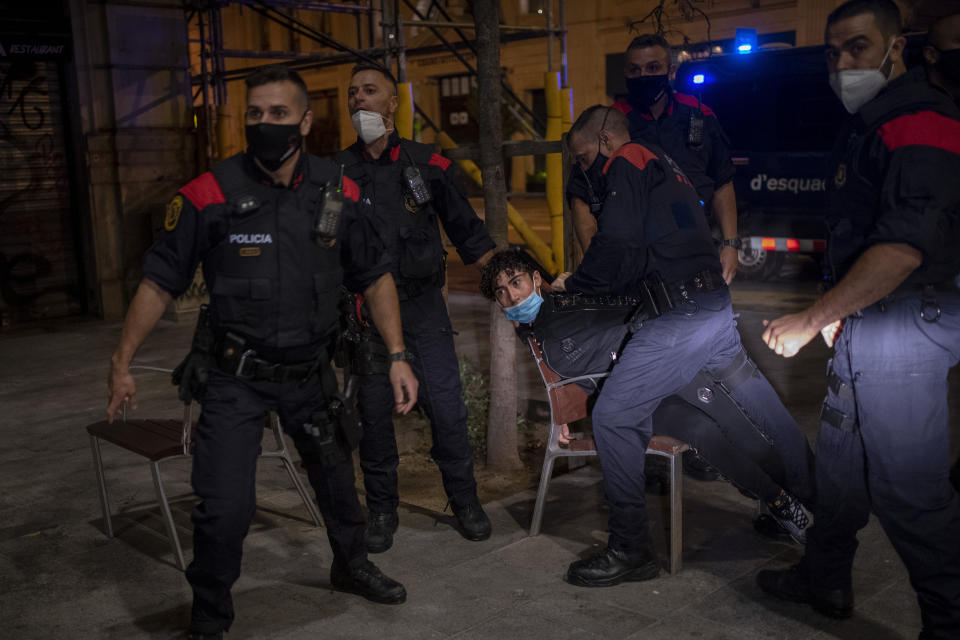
x: 512, y: 261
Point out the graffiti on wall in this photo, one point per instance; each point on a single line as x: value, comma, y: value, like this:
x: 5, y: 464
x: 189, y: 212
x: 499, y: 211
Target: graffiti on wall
x: 38, y: 256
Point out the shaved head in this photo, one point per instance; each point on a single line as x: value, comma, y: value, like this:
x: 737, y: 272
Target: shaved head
x: 597, y: 118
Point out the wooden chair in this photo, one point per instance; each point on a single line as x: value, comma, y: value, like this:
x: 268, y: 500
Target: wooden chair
x: 568, y: 403
x: 159, y: 440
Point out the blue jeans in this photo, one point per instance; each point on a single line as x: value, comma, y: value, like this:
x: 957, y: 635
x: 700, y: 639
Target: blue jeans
x: 662, y: 356
x: 890, y: 454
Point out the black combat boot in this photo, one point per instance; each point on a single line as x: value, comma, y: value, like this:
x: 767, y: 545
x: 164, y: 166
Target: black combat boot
x: 378, y: 536
x: 793, y: 584
x: 612, y: 566
x: 365, y: 579
x: 473, y: 522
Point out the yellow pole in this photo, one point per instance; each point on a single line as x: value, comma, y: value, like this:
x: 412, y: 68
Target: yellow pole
x: 538, y: 246
x: 551, y: 81
x: 566, y: 107
x: 403, y: 118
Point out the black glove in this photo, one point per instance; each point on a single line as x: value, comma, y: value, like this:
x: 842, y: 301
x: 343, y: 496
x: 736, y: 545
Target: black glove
x: 190, y: 376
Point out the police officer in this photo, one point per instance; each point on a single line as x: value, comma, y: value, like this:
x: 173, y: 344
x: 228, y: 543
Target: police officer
x: 942, y: 55
x: 680, y: 125
x: 653, y: 240
x: 942, y: 58
x: 407, y: 189
x: 273, y: 265
x: 893, y: 318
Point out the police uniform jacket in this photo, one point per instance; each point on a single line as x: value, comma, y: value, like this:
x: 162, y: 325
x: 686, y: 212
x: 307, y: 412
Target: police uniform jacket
x: 707, y: 165
x: 268, y: 279
x: 896, y: 179
x: 410, y: 231
x: 652, y: 221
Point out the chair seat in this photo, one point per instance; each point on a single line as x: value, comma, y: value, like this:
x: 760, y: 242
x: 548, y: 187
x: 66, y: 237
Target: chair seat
x: 152, y: 439
x: 662, y: 444
x: 666, y: 444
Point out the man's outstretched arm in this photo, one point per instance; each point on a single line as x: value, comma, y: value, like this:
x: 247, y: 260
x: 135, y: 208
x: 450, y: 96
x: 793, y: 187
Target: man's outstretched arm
x: 875, y: 274
x: 146, y: 309
x: 384, y: 305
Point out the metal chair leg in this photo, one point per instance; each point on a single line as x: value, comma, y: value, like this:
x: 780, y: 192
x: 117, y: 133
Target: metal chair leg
x: 101, y: 485
x: 298, y: 485
x: 676, y: 515
x: 538, y: 507
x: 167, y: 516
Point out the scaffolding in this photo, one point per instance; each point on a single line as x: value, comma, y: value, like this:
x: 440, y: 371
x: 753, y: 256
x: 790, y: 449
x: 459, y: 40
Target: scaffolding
x: 204, y: 19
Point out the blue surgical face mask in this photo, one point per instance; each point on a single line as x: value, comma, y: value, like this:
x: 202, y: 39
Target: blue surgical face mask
x: 525, y: 310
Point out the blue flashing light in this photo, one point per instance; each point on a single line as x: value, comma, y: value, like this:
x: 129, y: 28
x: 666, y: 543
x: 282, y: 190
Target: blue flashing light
x: 698, y: 78
x: 745, y: 40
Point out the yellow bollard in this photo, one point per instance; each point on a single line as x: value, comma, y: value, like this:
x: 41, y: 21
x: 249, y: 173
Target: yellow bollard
x: 403, y: 118
x: 538, y: 246
x: 554, y: 163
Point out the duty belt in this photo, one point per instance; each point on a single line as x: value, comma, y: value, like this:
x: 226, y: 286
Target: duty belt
x: 249, y: 367
x: 660, y: 296
x: 254, y: 368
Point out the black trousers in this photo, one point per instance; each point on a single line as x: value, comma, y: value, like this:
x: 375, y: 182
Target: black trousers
x: 228, y: 440
x: 428, y: 335
x: 677, y: 419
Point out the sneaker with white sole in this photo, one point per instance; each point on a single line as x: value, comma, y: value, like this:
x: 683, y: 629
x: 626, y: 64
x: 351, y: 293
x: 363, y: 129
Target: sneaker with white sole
x: 789, y: 514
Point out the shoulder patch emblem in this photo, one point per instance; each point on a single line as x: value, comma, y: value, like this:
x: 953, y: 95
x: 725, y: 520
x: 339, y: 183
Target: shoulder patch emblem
x: 841, y: 178
x: 173, y: 213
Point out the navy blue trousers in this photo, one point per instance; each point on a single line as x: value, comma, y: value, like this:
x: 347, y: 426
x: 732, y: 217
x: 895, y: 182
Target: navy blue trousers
x: 661, y: 357
x: 228, y: 438
x: 428, y: 335
x: 895, y: 461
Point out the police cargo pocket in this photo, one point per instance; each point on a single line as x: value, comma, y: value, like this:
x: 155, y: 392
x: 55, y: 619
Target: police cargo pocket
x: 245, y: 301
x: 419, y: 251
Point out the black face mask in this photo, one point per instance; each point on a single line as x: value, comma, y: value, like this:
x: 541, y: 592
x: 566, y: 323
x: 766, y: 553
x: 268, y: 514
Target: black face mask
x: 949, y: 65
x: 645, y: 90
x: 596, y: 183
x: 273, y: 144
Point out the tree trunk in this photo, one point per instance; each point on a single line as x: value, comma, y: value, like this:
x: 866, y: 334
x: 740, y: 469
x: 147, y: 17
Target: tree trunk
x: 502, y: 428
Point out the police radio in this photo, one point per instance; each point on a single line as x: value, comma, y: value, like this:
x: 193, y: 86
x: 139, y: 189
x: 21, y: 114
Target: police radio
x: 327, y: 221
x: 596, y: 204
x: 417, y: 186
x: 695, y: 127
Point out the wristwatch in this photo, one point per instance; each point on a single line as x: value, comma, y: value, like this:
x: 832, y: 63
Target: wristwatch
x: 401, y: 356
x: 733, y: 242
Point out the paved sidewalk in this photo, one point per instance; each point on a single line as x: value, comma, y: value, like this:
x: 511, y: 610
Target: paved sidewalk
x: 62, y: 578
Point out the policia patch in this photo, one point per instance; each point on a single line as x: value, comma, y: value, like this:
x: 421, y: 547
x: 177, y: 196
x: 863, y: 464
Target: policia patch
x: 173, y: 213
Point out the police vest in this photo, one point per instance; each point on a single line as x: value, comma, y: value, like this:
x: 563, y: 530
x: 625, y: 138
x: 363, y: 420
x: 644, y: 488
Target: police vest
x: 410, y: 232
x: 268, y: 279
x: 858, y: 167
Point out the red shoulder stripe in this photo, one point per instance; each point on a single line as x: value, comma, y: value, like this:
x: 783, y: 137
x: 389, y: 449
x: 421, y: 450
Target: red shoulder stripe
x: 350, y: 189
x: 395, y: 153
x: 622, y: 106
x: 926, y: 128
x: 203, y: 191
x: 691, y: 101
x: 438, y: 160
x: 634, y: 153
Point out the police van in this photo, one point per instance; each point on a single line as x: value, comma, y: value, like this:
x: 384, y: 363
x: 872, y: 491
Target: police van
x: 781, y: 118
